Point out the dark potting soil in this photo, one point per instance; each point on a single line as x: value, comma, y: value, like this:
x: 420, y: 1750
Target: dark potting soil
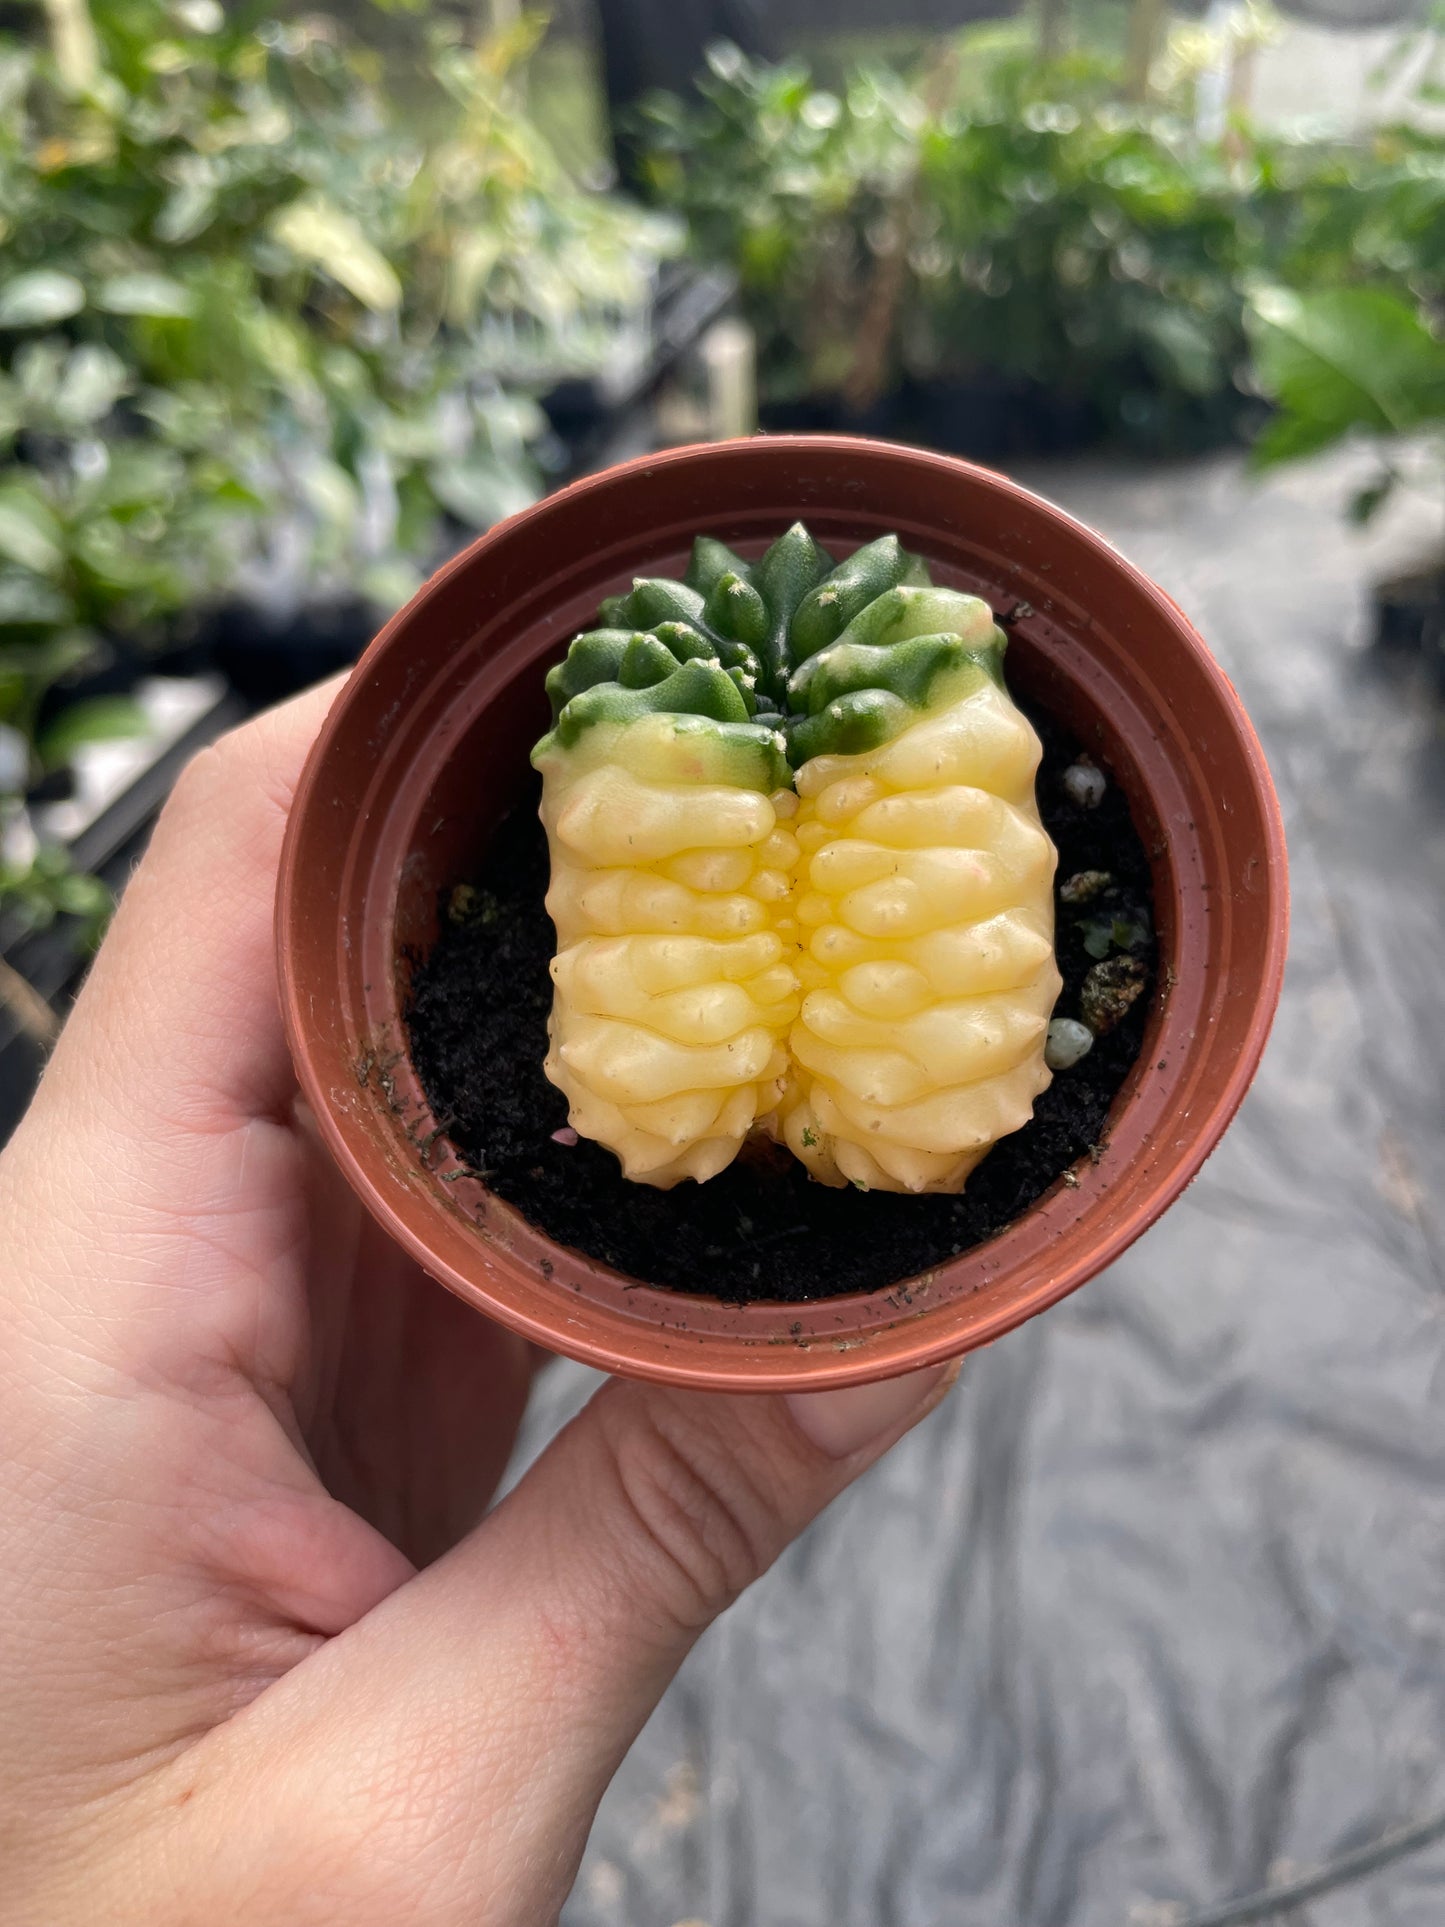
x: 762, y: 1229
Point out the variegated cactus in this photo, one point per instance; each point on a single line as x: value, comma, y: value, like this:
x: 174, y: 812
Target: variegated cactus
x: 799, y: 881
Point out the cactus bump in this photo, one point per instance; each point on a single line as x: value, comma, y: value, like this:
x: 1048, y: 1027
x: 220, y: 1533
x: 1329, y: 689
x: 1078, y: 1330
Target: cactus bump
x: 799, y: 881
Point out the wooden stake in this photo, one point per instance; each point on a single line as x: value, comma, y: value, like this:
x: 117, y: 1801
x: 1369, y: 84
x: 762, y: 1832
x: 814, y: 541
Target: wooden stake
x: 26, y: 1005
x: 73, y: 42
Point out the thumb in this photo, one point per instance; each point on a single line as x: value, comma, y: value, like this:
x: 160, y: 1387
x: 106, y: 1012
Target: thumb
x: 463, y: 1732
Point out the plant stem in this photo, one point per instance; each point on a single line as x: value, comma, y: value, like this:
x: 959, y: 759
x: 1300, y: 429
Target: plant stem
x: 1145, y: 20
x: 73, y: 42
x: 1052, y: 18
x: 27, y: 1006
x: 888, y: 285
x: 1240, y: 98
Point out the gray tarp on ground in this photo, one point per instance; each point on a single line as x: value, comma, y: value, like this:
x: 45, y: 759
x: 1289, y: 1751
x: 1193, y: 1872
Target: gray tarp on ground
x: 1153, y: 1612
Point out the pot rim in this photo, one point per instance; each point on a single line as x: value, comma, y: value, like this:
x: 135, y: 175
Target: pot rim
x: 814, y: 1371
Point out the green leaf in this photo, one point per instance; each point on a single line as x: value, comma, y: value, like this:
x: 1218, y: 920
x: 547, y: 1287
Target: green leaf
x: 39, y: 366
x: 79, y: 895
x: 389, y: 583
x: 17, y: 69
x: 201, y: 16
x: 1182, y: 348
x: 93, y: 381
x: 46, y: 662
x: 29, y: 534
x: 145, y: 294
x: 1367, y: 502
x: 12, y: 413
x: 473, y: 258
x: 1129, y: 934
x: 1103, y: 934
x: 331, y: 493
x: 189, y: 210
x: 480, y: 491
x: 51, y: 886
x: 1343, y: 360
x: 39, y: 297
x: 1098, y: 936
x: 1288, y: 438
x: 318, y: 231
x: 139, y: 475
x: 26, y: 602
x: 97, y: 719
x: 36, y: 299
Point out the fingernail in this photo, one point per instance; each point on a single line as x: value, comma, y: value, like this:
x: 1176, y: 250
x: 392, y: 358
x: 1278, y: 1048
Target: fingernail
x: 841, y: 1423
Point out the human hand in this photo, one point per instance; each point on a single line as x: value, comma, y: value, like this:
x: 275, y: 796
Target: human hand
x: 262, y: 1657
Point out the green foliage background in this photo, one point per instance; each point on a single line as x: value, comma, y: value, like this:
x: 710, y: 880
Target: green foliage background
x: 1012, y: 218
x: 287, y: 289
x: 256, y: 277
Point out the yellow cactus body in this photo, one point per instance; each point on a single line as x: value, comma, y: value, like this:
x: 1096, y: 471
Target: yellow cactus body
x: 674, y: 990
x: 799, y: 879
x: 925, y: 902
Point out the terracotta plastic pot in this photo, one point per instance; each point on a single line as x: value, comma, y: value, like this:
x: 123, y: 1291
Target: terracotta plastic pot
x: 427, y: 746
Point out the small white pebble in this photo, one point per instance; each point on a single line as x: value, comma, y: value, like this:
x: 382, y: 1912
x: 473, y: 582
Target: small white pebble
x: 1085, y: 783
x: 565, y: 1136
x: 1067, y: 1043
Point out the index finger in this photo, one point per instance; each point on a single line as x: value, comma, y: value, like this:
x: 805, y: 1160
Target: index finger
x: 180, y: 1021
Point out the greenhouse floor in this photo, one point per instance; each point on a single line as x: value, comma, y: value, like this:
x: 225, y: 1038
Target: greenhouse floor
x: 1150, y: 1616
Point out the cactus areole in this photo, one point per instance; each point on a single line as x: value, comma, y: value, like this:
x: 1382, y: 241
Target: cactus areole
x: 799, y: 881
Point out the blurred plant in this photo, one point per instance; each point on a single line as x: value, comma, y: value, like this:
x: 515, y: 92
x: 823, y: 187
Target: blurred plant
x: 39, y: 884
x: 1416, y: 58
x: 268, y: 313
x: 1032, y: 230
x: 1091, y: 249
x: 48, y: 886
x: 1043, y: 230
x: 1372, y: 213
x: 1345, y: 362
x: 1346, y: 336
x: 796, y: 187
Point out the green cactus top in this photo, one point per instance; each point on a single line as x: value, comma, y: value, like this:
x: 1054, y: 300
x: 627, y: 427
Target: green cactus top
x: 776, y: 661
